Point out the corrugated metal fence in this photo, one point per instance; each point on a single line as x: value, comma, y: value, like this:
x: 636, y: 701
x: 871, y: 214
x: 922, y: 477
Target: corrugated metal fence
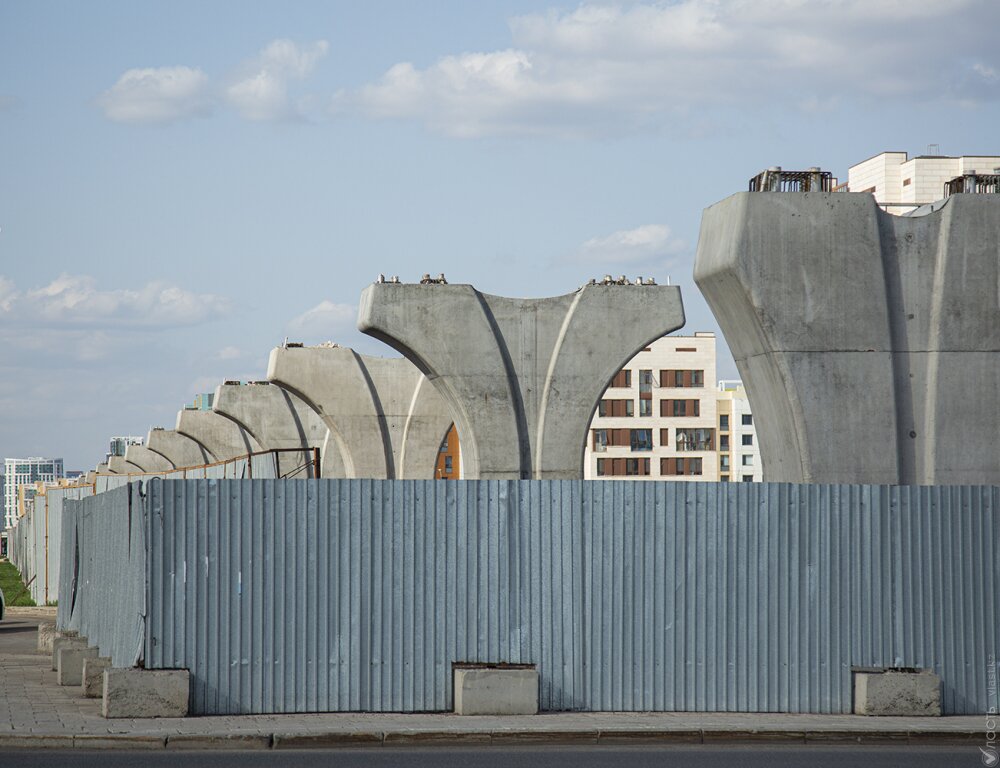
x: 103, y: 573
x: 357, y: 595
x: 35, y: 541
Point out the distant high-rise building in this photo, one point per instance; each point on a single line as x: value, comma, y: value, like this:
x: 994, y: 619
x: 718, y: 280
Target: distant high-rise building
x: 202, y: 402
x: 118, y: 444
x: 24, y: 471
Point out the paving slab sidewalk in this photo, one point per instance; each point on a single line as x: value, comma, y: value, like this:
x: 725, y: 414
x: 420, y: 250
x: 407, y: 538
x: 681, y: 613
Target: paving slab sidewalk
x: 36, y: 712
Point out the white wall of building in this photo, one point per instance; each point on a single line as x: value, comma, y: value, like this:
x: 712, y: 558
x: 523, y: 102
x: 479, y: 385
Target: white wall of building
x: 22, y: 472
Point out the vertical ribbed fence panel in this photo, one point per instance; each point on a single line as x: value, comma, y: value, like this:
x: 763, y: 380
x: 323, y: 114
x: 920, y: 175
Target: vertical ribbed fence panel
x: 359, y: 595
x: 104, y: 587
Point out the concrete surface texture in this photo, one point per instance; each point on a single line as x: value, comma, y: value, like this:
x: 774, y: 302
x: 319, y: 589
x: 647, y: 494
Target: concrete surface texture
x: 69, y: 664
x: 385, y: 418
x: 898, y: 694
x: 221, y: 437
x: 145, y: 692
x: 274, y: 417
x: 522, y: 376
x: 147, y: 460
x: 92, y: 676
x: 867, y: 342
x: 178, y: 449
x: 494, y: 691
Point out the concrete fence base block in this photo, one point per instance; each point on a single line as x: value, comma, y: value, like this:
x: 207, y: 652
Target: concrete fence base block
x: 46, y: 634
x: 65, y: 642
x: 92, y: 681
x: 146, y: 692
x: 69, y: 664
x: 903, y: 694
x: 496, y: 691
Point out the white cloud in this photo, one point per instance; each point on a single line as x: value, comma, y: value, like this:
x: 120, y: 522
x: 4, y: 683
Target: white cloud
x: 230, y: 353
x: 618, y: 66
x: 326, y: 320
x: 157, y: 95
x: 648, y: 245
x: 261, y: 92
x: 76, y: 300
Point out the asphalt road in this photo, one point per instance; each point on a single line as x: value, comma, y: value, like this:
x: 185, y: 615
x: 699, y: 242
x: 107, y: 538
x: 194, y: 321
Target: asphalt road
x: 524, y: 757
x: 18, y: 635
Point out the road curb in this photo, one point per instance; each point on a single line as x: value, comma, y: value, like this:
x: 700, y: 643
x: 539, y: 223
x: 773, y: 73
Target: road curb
x: 487, y: 738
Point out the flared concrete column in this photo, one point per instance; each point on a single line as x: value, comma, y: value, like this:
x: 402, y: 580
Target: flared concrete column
x: 141, y: 456
x: 522, y: 376
x: 119, y: 465
x: 223, y: 438
x: 178, y: 449
x: 276, y: 419
x: 385, y: 419
x: 867, y: 342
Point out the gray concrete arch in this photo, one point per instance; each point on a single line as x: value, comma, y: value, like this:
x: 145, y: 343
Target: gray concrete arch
x: 275, y: 418
x: 385, y: 420
x: 145, y: 459
x: 522, y: 377
x: 178, y: 449
x: 868, y: 342
x: 221, y: 437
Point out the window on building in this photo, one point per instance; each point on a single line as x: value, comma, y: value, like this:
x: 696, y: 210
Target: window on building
x: 622, y: 379
x: 615, y: 408
x: 674, y: 378
x: 637, y: 467
x: 723, y: 442
x: 600, y: 440
x: 747, y: 419
x: 642, y: 439
x: 645, y: 407
x: 724, y: 421
x: 695, y: 440
x: 907, y: 182
x: 748, y: 460
x: 672, y: 466
x: 447, y: 463
x: 680, y: 408
x: 622, y: 467
x: 747, y: 478
x: 724, y: 478
x: 723, y: 462
x: 645, y: 381
x: 747, y: 439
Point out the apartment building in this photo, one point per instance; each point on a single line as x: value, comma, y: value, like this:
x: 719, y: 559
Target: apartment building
x: 901, y: 184
x: 658, y: 419
x: 19, y: 472
x: 739, y: 454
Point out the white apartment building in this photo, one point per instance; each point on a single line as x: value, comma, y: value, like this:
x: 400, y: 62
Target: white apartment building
x: 739, y: 453
x: 900, y: 183
x: 23, y: 472
x: 658, y: 419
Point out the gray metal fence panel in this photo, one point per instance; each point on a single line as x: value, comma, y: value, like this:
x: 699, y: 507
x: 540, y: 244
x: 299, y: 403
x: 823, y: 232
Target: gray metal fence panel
x: 357, y: 595
x: 105, y: 557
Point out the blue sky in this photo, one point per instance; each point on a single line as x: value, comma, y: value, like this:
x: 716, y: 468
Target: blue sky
x: 184, y: 184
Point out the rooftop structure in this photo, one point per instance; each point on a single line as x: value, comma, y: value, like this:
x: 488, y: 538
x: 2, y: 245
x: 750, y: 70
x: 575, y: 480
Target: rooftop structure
x: 901, y: 184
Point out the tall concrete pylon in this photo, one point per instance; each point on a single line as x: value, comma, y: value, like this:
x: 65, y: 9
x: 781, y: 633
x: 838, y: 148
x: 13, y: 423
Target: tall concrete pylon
x: 138, y: 458
x: 869, y: 343
x: 522, y: 377
x: 385, y: 419
x: 178, y: 449
x: 275, y: 418
x: 221, y: 437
